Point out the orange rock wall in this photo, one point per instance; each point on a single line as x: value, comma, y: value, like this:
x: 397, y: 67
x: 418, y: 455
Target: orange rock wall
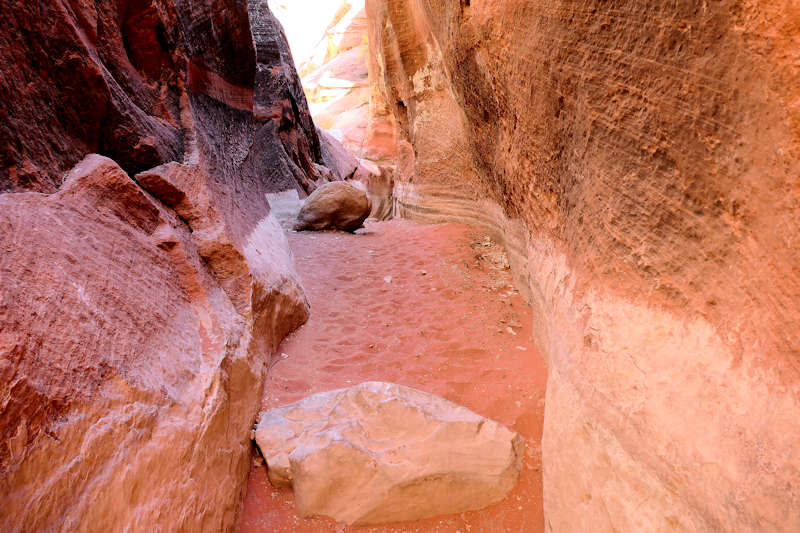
x: 642, y: 161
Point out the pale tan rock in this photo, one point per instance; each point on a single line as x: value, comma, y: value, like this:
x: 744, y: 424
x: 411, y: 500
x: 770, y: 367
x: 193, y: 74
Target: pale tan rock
x: 380, y: 188
x: 336, y: 205
x: 377, y: 182
x: 379, y: 452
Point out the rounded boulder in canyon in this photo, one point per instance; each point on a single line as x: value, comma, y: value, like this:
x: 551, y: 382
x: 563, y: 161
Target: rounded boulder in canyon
x: 337, y: 205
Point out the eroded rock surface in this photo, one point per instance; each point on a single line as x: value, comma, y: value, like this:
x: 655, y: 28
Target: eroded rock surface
x: 138, y: 317
x: 122, y: 357
x: 640, y: 160
x: 379, y: 184
x: 337, y: 205
x: 378, y: 452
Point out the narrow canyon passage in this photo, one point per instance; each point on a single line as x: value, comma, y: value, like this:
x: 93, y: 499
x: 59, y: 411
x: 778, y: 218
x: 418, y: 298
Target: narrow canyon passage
x: 429, y: 307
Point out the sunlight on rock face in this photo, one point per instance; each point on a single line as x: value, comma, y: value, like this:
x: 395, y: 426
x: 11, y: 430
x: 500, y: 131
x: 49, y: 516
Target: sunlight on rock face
x: 305, y: 23
x: 331, y: 49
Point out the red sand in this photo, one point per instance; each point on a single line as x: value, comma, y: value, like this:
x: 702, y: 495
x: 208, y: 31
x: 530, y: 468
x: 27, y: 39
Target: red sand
x: 448, y: 332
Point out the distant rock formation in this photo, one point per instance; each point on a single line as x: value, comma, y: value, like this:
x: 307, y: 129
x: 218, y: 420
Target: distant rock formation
x: 378, y: 452
x: 337, y: 83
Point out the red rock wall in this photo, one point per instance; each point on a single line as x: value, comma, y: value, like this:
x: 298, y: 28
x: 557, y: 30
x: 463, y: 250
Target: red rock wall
x: 137, y: 316
x: 642, y: 160
x: 126, y: 381
x: 124, y: 79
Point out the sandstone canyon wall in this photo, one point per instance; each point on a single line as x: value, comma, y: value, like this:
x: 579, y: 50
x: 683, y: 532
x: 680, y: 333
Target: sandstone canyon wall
x: 144, y: 283
x: 641, y: 161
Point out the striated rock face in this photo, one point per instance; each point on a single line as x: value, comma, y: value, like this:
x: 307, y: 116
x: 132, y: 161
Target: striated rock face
x: 151, y: 81
x: 378, y: 452
x: 641, y: 161
x: 337, y: 205
x: 128, y: 377
x: 137, y: 316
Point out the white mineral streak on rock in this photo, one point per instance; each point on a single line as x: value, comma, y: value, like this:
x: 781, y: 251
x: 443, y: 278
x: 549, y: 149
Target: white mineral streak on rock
x: 378, y: 452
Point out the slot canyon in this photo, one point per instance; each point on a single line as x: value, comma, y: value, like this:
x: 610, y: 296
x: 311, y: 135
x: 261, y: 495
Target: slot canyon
x: 580, y: 225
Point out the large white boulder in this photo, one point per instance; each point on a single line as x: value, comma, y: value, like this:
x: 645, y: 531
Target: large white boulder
x: 379, y: 452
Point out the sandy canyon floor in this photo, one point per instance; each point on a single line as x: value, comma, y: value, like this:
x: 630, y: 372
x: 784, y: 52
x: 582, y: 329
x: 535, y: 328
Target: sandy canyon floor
x: 429, y: 307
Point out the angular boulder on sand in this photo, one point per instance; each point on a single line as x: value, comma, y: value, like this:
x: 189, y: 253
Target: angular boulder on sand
x: 336, y: 205
x: 379, y: 452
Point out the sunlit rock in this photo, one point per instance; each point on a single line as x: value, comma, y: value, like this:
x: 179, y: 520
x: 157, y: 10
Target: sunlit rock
x: 379, y: 452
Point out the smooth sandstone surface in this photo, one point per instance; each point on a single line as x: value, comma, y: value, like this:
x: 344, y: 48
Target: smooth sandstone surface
x: 640, y: 162
x: 126, y: 375
x: 379, y: 452
x: 338, y: 205
x: 139, y: 345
